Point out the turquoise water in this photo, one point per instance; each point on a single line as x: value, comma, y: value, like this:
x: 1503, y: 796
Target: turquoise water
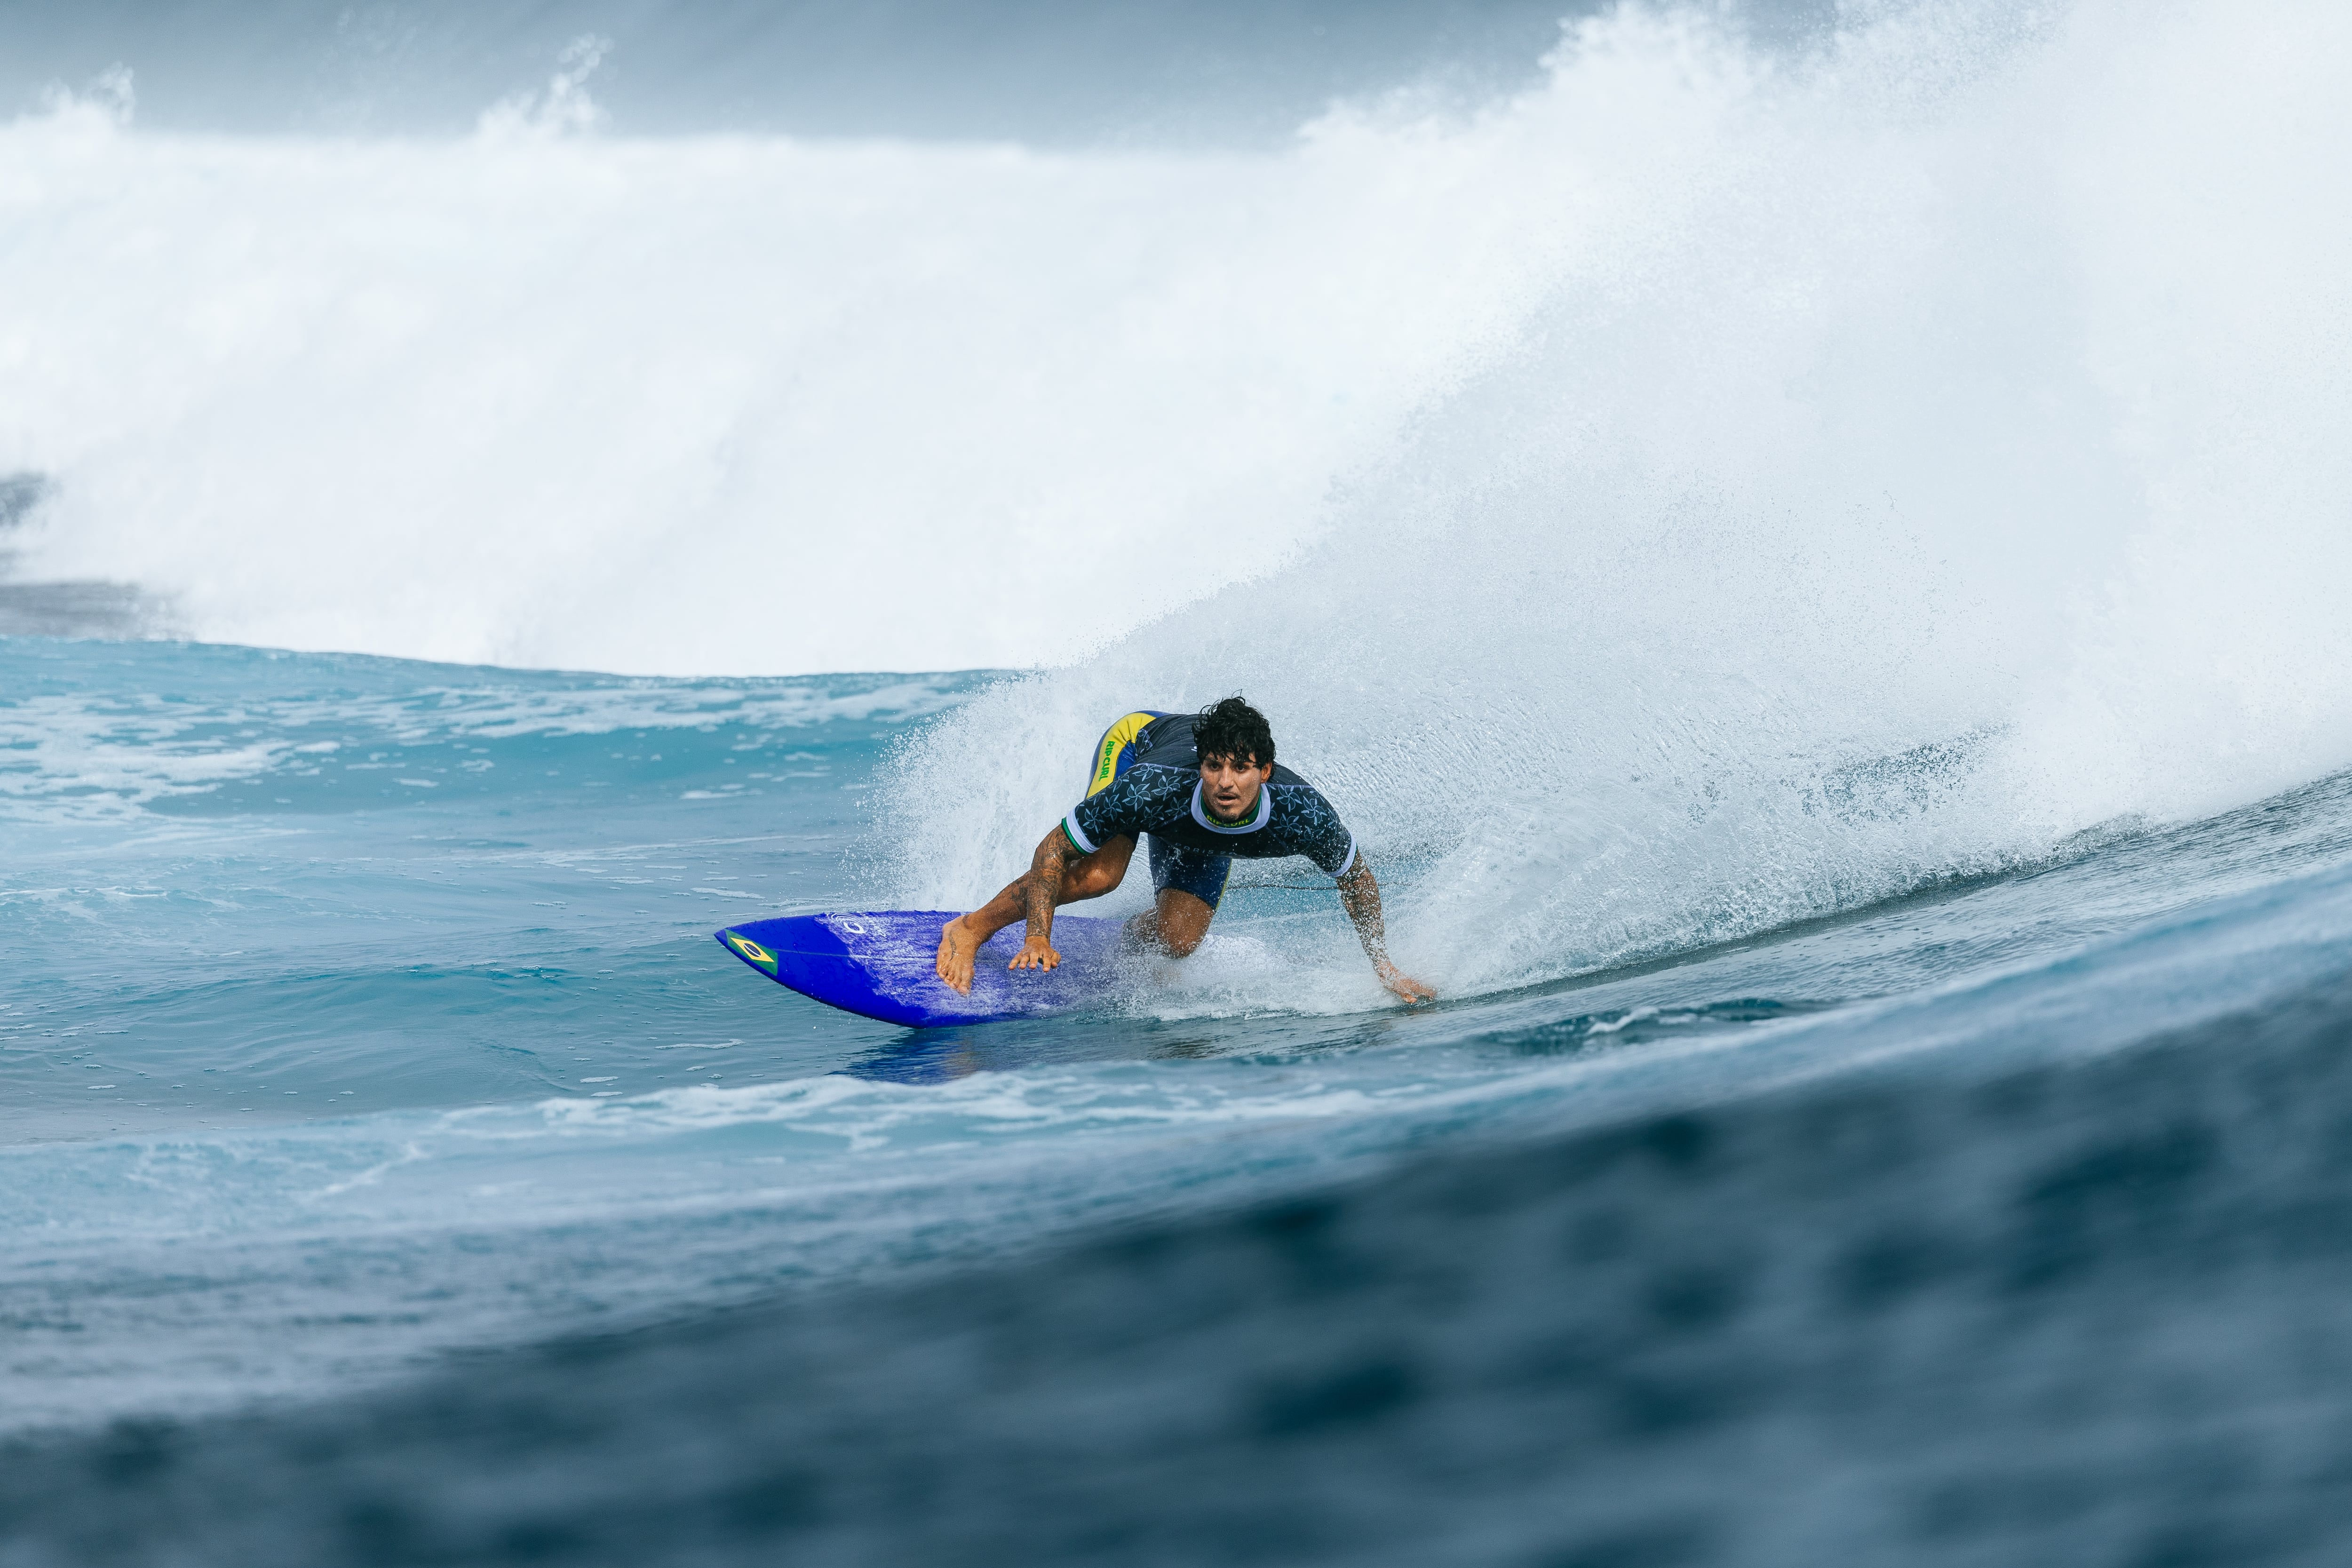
x: 410, y: 887
x: 367, y: 1011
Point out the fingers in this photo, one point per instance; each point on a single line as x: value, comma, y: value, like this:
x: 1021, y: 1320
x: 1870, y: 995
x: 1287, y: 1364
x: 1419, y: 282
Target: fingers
x: 1408, y: 988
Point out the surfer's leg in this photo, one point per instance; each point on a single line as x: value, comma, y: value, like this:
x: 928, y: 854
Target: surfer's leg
x: 1191, y: 882
x: 1174, y: 925
x: 1089, y: 877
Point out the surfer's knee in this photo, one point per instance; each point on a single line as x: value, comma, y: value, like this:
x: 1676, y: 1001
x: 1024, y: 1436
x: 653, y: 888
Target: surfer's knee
x: 1182, y: 920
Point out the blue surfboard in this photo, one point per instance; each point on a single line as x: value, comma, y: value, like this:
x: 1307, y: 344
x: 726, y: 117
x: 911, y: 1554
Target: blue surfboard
x: 880, y: 963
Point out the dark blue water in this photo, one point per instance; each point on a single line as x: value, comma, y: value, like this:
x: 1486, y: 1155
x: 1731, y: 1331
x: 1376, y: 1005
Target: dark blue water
x: 395, y: 1171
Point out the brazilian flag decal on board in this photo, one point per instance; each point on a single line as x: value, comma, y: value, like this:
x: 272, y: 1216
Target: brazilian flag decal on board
x: 751, y: 950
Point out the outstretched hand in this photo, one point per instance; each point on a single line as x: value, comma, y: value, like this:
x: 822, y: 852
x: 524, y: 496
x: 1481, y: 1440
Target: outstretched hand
x: 1035, y: 954
x: 1405, y: 986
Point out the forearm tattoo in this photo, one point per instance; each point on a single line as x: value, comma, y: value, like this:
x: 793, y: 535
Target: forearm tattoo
x: 1360, y: 896
x: 1045, y: 884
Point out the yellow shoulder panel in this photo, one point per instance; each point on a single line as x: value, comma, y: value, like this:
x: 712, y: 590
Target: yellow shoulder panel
x: 1115, y: 739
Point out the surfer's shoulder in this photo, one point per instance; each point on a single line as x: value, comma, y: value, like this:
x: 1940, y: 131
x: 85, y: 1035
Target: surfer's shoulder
x: 1300, y: 804
x: 1150, y: 785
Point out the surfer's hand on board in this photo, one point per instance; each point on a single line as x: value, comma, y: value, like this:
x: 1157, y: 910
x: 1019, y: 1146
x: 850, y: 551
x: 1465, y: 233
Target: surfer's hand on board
x: 1401, y: 984
x: 1035, y: 954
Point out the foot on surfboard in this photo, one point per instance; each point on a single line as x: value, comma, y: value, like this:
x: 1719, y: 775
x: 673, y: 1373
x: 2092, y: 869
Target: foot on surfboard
x: 957, y: 950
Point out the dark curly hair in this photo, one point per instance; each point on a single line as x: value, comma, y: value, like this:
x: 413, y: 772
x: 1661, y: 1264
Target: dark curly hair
x: 1235, y: 730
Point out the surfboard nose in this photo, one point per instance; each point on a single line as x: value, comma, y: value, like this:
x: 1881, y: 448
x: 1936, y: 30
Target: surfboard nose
x: 750, y: 951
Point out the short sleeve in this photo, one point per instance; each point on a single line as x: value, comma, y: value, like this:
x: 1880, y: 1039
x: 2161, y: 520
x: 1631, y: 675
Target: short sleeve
x: 1132, y: 806
x: 1317, y: 832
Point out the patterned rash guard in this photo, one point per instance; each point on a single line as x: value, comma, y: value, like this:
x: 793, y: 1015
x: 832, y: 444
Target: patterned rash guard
x: 1154, y: 788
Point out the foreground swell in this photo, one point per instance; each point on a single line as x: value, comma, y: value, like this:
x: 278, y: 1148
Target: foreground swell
x: 2070, y: 1313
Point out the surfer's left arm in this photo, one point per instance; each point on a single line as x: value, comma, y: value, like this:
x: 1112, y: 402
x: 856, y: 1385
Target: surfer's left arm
x: 1359, y: 895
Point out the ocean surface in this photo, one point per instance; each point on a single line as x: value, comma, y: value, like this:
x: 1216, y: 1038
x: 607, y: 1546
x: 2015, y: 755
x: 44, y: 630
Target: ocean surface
x: 365, y: 1036
x: 1808, y: 543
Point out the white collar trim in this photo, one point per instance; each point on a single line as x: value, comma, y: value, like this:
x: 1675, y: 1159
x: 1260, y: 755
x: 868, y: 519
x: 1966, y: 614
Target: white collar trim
x: 1257, y: 820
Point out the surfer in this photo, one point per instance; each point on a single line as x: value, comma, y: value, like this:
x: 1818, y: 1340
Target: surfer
x: 1203, y: 787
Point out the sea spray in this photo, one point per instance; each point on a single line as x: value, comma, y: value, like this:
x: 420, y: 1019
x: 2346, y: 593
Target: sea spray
x: 1846, y: 514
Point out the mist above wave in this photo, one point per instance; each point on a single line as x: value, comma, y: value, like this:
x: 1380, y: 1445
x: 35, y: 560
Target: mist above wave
x: 1908, y: 462
x: 727, y: 404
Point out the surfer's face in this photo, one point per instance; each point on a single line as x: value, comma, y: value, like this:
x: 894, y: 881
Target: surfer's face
x: 1230, y: 786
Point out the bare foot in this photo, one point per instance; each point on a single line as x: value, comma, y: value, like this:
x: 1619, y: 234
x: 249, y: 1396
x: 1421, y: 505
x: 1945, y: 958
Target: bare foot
x: 957, y: 950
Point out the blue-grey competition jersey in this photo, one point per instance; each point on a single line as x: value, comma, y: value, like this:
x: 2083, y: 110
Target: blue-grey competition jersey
x: 1159, y: 793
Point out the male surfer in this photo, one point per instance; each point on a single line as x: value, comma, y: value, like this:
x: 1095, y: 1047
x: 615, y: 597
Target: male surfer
x: 1205, y: 787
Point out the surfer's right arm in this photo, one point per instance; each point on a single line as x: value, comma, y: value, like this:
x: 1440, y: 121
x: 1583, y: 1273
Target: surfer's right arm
x: 1054, y: 852
x: 1359, y: 895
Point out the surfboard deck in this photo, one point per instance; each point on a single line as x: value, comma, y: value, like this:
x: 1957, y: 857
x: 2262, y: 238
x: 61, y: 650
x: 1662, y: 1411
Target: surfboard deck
x: 879, y: 963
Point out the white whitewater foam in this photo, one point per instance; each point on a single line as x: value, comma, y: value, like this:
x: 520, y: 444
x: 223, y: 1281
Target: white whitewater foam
x: 725, y: 404
x: 1919, y: 455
